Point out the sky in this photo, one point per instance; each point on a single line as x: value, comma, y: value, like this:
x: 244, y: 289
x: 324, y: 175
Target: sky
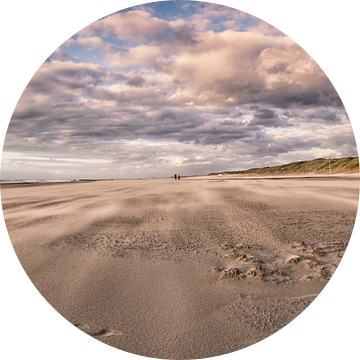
x: 174, y: 87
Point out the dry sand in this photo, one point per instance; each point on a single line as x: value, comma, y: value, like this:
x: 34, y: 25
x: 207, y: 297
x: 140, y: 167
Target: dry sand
x: 182, y: 269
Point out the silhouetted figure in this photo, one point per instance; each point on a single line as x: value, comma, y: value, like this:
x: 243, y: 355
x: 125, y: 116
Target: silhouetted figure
x: 178, y: 176
x: 175, y: 176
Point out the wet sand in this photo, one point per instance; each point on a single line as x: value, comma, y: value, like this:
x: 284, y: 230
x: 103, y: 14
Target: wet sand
x: 182, y: 269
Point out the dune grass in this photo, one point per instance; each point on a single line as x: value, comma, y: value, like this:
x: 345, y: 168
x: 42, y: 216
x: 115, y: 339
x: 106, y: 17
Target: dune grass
x: 320, y: 164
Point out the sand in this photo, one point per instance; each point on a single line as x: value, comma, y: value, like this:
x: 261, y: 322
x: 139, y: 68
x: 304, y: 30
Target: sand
x: 182, y: 269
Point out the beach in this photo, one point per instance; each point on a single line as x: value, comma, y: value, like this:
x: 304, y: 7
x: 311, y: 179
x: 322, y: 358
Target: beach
x: 183, y: 269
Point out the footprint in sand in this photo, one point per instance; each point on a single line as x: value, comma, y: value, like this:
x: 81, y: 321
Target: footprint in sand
x: 102, y: 333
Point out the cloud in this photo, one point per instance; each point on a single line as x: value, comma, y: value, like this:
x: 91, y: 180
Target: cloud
x: 264, y: 114
x: 325, y: 115
x: 268, y: 118
x: 141, y: 55
x: 248, y: 67
x: 185, y: 35
x: 236, y: 115
x: 136, y: 81
x: 91, y: 43
x: 211, y: 10
x: 140, y: 26
x: 62, y: 56
x: 61, y: 75
x: 135, y: 25
x: 218, y: 88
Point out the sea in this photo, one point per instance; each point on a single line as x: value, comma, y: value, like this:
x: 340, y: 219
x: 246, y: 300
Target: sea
x: 41, y: 181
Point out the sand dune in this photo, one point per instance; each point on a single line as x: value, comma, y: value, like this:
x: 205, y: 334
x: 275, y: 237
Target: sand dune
x: 182, y: 269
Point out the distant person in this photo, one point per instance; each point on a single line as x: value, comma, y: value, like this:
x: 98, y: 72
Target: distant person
x: 178, y: 176
x: 175, y: 176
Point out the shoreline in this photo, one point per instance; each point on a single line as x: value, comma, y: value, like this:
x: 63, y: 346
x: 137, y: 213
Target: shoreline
x: 271, y: 176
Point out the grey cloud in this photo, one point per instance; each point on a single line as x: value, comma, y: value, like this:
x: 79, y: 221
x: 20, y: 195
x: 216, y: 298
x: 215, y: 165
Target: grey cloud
x: 325, y: 116
x: 308, y: 97
x: 104, y: 132
x: 331, y: 117
x: 112, y: 78
x: 254, y: 90
x: 183, y: 127
x: 185, y: 35
x: 266, y: 146
x: 287, y: 95
x: 264, y: 114
x: 30, y: 134
x: 278, y: 68
x: 180, y: 127
x: 236, y: 115
x: 230, y: 122
x: 267, y: 118
x: 77, y: 71
x: 291, y: 114
x: 27, y: 114
x: 57, y: 76
x: 135, y: 154
x: 136, y: 81
x: 222, y: 138
x: 274, y: 123
x: 166, y: 66
x: 216, y: 133
x: 243, y: 90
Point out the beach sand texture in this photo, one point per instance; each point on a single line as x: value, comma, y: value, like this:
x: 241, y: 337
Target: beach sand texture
x: 182, y: 269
